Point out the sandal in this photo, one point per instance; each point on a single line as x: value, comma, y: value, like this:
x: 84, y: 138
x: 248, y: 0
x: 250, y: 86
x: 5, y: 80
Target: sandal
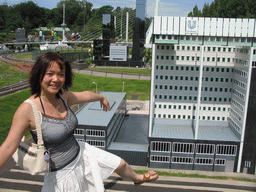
x: 147, y: 177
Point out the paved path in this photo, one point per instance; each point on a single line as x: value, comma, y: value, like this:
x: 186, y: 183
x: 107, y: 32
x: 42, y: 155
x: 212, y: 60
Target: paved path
x: 114, y: 75
x: 17, y: 180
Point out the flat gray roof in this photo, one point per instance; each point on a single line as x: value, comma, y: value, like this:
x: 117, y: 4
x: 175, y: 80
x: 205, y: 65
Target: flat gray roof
x: 92, y: 114
x: 133, y: 135
x: 134, y: 130
x: 163, y: 129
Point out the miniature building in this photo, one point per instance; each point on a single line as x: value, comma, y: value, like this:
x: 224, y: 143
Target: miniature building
x: 114, y: 131
x: 202, y: 104
x: 98, y: 127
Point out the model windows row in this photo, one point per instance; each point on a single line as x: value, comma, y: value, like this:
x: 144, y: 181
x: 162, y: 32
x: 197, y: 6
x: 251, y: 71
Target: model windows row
x: 206, y: 38
x: 237, y: 104
x: 239, y: 83
x: 192, y: 98
x: 192, y: 78
x: 194, y: 58
x: 195, y: 48
x: 187, y: 160
x: 238, y: 94
x: 240, y: 72
x: 254, y: 64
x: 234, y: 125
x: 79, y: 132
x: 96, y: 143
x: 242, y: 50
x: 191, y: 88
x: 242, y: 62
x: 236, y: 115
x: 190, y: 148
x: 192, y: 68
x: 190, y: 117
x: 95, y: 133
x: 191, y: 107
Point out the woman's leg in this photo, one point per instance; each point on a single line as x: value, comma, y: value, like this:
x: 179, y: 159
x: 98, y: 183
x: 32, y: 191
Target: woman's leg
x: 125, y: 171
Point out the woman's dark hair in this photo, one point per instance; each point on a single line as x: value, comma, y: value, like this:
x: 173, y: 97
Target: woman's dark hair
x: 39, y: 69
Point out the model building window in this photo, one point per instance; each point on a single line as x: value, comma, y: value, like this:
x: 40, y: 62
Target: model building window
x: 182, y: 160
x: 221, y: 162
x: 226, y: 150
x: 158, y: 158
x: 79, y: 132
x: 204, y: 161
x: 178, y: 147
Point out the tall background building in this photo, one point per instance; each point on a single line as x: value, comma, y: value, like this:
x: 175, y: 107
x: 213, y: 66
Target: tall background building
x: 203, y: 94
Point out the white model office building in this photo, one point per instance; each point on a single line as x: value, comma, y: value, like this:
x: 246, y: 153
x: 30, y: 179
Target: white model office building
x: 203, y: 103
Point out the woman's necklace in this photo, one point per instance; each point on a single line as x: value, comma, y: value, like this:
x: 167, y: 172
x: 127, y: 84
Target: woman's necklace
x: 56, y: 100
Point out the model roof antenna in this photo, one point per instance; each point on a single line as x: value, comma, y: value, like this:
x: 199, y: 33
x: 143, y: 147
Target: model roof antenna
x: 156, y: 8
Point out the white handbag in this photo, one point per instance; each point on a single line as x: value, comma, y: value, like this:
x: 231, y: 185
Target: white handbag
x: 31, y: 156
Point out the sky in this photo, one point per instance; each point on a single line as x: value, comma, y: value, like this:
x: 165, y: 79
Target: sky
x: 166, y: 7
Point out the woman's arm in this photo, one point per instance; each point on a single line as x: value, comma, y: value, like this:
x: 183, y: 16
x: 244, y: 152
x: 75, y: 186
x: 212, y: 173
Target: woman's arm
x: 20, y: 124
x: 73, y: 98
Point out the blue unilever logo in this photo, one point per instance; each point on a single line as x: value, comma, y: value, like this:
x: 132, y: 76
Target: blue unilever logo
x: 191, y: 26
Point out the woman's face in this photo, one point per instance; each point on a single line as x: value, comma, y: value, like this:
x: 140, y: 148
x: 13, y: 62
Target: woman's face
x: 53, y: 79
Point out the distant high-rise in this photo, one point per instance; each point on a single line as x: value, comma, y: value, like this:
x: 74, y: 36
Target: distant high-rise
x: 139, y: 30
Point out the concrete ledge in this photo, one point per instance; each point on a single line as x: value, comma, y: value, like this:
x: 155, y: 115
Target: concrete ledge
x: 207, y: 173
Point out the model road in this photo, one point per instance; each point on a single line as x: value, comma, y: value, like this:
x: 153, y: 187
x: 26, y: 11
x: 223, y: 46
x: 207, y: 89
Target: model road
x: 19, y: 181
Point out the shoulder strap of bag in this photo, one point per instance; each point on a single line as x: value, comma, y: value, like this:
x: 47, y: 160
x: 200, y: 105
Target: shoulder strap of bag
x: 37, y: 121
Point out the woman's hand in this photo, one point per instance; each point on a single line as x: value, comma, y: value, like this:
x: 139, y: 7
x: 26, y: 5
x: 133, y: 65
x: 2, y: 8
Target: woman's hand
x: 105, y: 104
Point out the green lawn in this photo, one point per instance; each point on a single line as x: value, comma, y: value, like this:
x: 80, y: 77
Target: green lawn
x: 23, y: 56
x: 10, y: 74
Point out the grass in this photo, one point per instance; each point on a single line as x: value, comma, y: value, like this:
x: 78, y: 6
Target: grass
x: 123, y: 70
x: 8, y: 70
x: 23, y: 56
x: 131, y: 86
x: 8, y: 106
x: 165, y: 173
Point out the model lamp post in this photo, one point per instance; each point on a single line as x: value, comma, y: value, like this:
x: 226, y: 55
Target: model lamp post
x: 96, y: 86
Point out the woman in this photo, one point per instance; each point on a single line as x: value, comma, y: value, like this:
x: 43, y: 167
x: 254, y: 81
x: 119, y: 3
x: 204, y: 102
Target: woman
x: 75, y: 166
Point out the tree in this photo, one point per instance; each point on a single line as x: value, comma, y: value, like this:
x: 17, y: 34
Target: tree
x: 31, y: 12
x: 196, y: 12
x: 227, y: 8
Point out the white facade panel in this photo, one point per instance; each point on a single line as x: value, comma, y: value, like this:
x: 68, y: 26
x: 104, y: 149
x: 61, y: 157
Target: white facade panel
x: 251, y: 27
x: 207, y: 23
x: 238, y: 27
x: 164, y: 26
x: 157, y: 25
x: 225, y: 27
x: 176, y: 26
x: 232, y: 25
x: 219, y: 26
x: 182, y: 25
x: 201, y: 26
x: 170, y: 25
x: 244, y: 29
x: 213, y: 26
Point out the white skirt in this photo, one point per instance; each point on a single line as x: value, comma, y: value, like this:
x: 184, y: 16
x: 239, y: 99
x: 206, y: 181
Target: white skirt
x: 86, y: 173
